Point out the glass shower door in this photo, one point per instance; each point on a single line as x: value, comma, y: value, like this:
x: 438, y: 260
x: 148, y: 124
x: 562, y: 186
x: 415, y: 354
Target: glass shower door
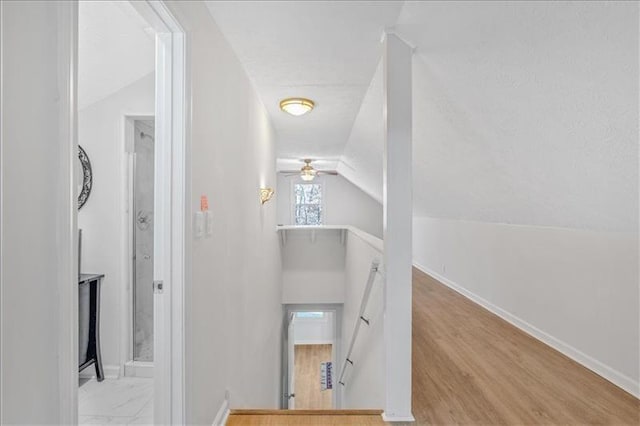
x: 143, y: 241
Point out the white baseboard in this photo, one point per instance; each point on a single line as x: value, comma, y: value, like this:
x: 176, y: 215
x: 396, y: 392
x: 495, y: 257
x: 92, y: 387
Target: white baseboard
x: 138, y: 369
x: 398, y: 419
x: 612, y: 375
x: 110, y: 372
x: 222, y: 414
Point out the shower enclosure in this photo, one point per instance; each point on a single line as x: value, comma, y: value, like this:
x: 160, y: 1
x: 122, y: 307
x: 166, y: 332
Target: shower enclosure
x: 142, y: 207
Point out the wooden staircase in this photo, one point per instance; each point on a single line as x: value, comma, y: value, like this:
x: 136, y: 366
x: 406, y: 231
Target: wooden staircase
x: 305, y: 417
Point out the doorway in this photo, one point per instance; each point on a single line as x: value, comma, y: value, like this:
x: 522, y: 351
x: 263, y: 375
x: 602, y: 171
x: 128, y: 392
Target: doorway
x: 154, y: 299
x: 115, y: 77
x: 312, y: 345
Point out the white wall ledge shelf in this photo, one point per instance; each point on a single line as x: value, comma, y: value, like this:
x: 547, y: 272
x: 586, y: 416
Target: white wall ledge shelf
x: 313, y: 231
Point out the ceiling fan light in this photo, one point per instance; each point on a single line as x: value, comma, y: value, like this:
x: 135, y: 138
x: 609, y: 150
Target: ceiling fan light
x: 296, y: 106
x: 307, y: 175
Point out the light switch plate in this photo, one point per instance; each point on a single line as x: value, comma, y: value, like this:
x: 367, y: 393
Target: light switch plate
x: 198, y: 225
x: 209, y: 222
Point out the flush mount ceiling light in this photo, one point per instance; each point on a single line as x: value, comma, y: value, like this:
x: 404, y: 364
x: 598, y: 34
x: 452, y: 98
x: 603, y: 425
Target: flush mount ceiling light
x: 296, y: 106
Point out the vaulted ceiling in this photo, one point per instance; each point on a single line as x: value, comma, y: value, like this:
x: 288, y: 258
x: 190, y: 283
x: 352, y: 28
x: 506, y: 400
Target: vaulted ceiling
x: 524, y: 112
x: 115, y: 48
x: 325, y: 51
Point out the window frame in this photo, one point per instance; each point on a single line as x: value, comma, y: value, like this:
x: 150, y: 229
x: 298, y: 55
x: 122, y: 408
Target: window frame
x: 318, y: 180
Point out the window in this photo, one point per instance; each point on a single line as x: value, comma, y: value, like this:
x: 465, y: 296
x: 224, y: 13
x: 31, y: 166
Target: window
x: 314, y: 315
x: 308, y: 203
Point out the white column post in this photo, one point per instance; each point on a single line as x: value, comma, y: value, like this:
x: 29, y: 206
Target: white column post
x: 397, y: 201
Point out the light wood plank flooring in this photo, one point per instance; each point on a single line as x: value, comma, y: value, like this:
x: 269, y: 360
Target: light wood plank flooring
x: 305, y: 418
x: 307, y: 377
x: 472, y: 367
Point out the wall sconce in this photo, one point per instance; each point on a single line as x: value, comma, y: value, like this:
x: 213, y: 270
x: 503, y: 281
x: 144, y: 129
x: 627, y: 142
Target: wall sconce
x: 265, y: 194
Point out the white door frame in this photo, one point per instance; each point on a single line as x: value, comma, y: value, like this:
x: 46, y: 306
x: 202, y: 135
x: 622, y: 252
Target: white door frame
x: 336, y: 309
x: 169, y: 217
x: 172, y: 135
x: 291, y: 371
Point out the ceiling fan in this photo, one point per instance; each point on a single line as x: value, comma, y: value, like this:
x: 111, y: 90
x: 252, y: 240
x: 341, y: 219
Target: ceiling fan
x: 308, y: 172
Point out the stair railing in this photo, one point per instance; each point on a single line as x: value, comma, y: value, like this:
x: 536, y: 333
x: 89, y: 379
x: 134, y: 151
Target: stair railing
x: 375, y: 266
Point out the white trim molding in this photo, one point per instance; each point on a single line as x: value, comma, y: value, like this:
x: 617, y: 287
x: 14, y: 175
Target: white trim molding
x: 171, y: 180
x: 68, y: 223
x: 603, y: 370
x: 138, y: 369
x: 397, y: 419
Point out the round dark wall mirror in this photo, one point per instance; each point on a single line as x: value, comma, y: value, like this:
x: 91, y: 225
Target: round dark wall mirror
x: 85, y: 178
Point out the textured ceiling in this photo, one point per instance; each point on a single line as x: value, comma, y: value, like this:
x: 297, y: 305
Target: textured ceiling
x: 325, y: 51
x: 524, y: 113
x: 115, y: 48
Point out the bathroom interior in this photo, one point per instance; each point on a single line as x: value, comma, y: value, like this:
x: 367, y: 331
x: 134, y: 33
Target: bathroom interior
x: 116, y: 137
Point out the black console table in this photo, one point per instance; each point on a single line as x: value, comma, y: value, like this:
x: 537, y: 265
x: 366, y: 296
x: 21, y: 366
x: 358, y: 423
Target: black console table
x: 89, y: 322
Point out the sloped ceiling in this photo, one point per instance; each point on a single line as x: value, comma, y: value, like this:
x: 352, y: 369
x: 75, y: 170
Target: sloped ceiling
x: 361, y: 160
x: 325, y: 51
x: 115, y: 49
x: 524, y: 113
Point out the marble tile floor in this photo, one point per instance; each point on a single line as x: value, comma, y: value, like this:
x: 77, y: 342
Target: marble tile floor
x: 123, y: 401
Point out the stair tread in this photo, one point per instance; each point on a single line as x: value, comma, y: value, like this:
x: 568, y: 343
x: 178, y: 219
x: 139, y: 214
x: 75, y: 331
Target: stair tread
x: 305, y: 412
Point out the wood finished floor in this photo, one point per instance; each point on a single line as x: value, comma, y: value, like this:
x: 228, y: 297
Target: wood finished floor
x: 472, y: 367
x: 305, y: 418
x: 307, y: 377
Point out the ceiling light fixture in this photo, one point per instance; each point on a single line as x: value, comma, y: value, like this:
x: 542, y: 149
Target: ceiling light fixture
x: 307, y: 172
x: 296, y: 106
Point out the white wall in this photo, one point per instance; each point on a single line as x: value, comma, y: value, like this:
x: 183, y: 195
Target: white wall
x: 234, y: 291
x: 575, y: 290
x: 526, y: 148
x: 326, y: 270
x: 526, y: 114
x: 313, y: 331
x: 313, y: 272
x: 365, y: 382
x: 104, y: 218
x: 344, y: 204
x: 37, y: 223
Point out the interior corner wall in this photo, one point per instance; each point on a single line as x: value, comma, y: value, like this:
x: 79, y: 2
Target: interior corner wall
x: 575, y: 290
x: 36, y: 224
x: 103, y: 219
x: 344, y: 204
x: 233, y: 297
